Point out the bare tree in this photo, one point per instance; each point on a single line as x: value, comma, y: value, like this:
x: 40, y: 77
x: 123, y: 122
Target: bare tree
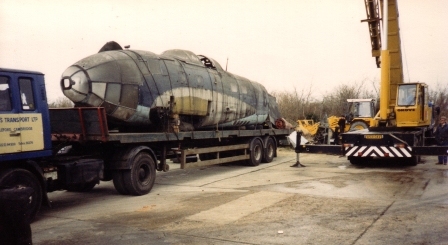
x: 61, y: 102
x: 296, y: 104
x: 334, y: 104
x: 439, y: 97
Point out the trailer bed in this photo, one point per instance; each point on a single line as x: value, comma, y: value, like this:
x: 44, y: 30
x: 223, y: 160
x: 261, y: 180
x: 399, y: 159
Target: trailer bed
x: 90, y: 124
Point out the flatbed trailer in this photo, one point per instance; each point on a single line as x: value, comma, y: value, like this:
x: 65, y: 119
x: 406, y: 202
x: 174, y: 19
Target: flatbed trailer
x: 87, y: 151
x: 88, y: 126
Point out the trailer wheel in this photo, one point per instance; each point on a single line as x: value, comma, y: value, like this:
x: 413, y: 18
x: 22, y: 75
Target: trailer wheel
x: 119, y: 182
x: 256, y: 154
x: 269, y: 151
x: 140, y: 179
x: 24, y: 178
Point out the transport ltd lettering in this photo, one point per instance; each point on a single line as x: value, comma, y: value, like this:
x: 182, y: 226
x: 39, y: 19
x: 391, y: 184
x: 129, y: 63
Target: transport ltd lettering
x: 16, y: 119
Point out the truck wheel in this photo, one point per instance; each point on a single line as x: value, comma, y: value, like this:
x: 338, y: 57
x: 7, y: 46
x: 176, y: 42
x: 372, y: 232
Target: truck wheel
x: 256, y: 154
x: 358, y: 126
x: 119, y: 182
x: 140, y: 179
x: 269, y: 151
x: 413, y: 160
x: 24, y: 178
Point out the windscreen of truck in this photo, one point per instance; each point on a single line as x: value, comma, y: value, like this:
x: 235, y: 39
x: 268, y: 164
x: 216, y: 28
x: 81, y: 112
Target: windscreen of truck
x: 5, y: 96
x: 26, y: 94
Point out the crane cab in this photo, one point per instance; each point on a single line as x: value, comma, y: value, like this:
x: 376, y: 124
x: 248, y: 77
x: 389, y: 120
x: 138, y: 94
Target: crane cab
x: 412, y: 106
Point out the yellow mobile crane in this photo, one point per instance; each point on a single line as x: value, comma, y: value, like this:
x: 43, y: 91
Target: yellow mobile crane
x: 401, y: 105
x: 401, y: 128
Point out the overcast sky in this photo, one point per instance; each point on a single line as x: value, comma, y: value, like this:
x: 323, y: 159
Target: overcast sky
x: 282, y: 44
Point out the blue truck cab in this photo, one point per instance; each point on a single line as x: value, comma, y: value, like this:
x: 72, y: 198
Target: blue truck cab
x: 24, y: 116
x: 25, y: 135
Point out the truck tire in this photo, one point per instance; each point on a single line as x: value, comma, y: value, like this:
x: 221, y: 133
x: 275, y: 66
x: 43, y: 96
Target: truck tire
x: 270, y: 150
x: 140, y: 179
x: 24, y: 178
x: 256, y: 153
x: 358, y: 126
x: 14, y: 225
x: 414, y: 161
x: 119, y: 182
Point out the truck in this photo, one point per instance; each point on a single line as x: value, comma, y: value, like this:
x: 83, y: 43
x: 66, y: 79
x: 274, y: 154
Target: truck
x: 402, y: 128
x: 75, y: 148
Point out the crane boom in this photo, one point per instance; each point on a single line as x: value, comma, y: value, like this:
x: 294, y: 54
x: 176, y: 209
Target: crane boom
x: 374, y: 19
x: 394, y: 72
x: 394, y: 47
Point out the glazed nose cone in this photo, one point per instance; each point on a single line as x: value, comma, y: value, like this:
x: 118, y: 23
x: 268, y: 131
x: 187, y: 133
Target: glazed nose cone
x: 75, y: 84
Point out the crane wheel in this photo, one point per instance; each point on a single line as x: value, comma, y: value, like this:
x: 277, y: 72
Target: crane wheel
x: 358, y: 126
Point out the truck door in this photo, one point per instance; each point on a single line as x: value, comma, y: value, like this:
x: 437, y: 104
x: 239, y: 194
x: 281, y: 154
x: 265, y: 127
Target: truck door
x: 21, y: 127
x: 9, y: 139
x: 30, y: 121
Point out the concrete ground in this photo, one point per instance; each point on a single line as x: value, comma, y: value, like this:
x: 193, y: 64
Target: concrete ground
x: 329, y: 201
